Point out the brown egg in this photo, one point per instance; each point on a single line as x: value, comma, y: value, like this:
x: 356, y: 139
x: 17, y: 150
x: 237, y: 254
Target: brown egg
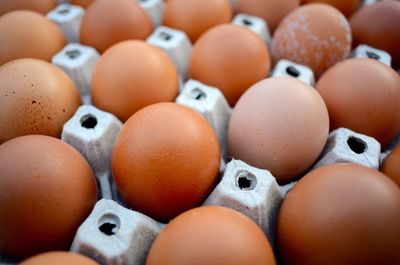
x: 42, y: 6
x: 343, y: 214
x: 47, y: 190
x: 271, y: 10
x: 35, y: 98
x: 59, y: 258
x: 231, y: 58
x: 316, y: 35
x: 132, y: 75
x: 83, y: 3
x: 211, y: 235
x: 364, y: 96
x: 194, y: 17
x: 27, y: 34
x: 165, y: 160
x: 347, y: 7
x: 391, y: 165
x: 378, y: 25
x: 107, y: 22
x: 276, y: 120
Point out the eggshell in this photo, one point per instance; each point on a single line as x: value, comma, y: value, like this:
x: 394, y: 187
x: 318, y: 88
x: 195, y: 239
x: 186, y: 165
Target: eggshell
x: 107, y: 22
x: 211, y: 235
x: 27, y: 34
x: 165, y: 160
x: 391, y: 165
x: 59, y: 258
x: 231, y: 58
x: 194, y: 17
x: 347, y: 7
x: 271, y: 10
x: 378, y: 26
x: 35, y: 98
x: 276, y: 120
x: 316, y: 35
x: 341, y: 214
x: 82, y: 3
x: 47, y: 190
x: 364, y: 96
x: 132, y: 75
x: 42, y: 6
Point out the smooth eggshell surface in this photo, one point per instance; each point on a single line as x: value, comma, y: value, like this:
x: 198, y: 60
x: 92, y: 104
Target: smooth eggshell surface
x: 36, y: 97
x: 231, y: 58
x: 391, y: 165
x: 316, y: 35
x: 211, y: 235
x: 279, y: 124
x: 165, y: 160
x: 59, y: 258
x: 27, y: 34
x: 341, y: 214
x: 347, y: 7
x: 82, y: 3
x: 132, y: 75
x: 364, y: 96
x: 42, y: 6
x: 47, y: 190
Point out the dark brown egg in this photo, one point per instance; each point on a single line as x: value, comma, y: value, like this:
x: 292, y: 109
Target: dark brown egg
x: 343, y: 214
x: 231, y: 58
x: 364, y: 96
x: 27, y: 34
x: 41, y: 6
x: 347, y: 7
x: 211, y: 235
x: 59, y: 258
x: 35, y: 98
x: 391, y: 165
x: 47, y: 190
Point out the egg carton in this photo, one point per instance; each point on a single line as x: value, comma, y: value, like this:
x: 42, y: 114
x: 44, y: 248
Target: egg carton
x: 155, y: 10
x: 286, y: 68
x: 68, y: 18
x: 255, y: 24
x: 366, y: 51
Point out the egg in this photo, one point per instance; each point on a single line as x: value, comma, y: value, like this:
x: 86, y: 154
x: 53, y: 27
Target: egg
x: 47, y: 190
x: 194, y: 17
x: 27, y: 34
x: 35, y: 98
x: 59, y: 258
x: 364, y: 96
x: 42, y: 6
x: 391, y: 165
x: 271, y: 11
x: 211, y: 235
x: 276, y: 120
x: 316, y: 35
x: 107, y: 22
x: 377, y: 26
x: 231, y: 58
x: 165, y: 160
x: 132, y: 75
x: 341, y: 214
x: 347, y: 7
x: 83, y: 3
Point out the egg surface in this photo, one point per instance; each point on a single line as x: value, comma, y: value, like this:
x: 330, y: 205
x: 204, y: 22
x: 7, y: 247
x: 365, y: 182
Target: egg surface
x: 391, y: 165
x: 42, y: 6
x: 347, y: 7
x: 82, y: 3
x: 59, y: 258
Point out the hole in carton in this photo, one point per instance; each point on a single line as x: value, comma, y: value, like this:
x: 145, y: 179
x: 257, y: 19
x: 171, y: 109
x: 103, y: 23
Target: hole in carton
x: 373, y: 55
x: 88, y: 121
x: 165, y: 36
x: 63, y: 11
x: 291, y: 70
x: 245, y: 180
x: 356, y: 145
x: 247, y: 22
x: 198, y: 94
x: 109, y: 224
x: 72, y: 54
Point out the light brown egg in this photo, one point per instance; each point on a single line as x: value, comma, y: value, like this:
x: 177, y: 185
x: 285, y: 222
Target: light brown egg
x: 279, y: 124
x: 132, y: 75
x: 231, y: 58
x: 35, y: 98
x: 364, y: 96
x: 42, y: 6
x: 194, y: 17
x: 378, y: 26
x: 165, y: 160
x: 347, y: 7
x: 82, y: 3
x: 343, y: 214
x: 271, y: 10
x: 391, y: 165
x: 59, y: 258
x: 107, y: 22
x: 211, y: 235
x: 47, y: 190
x: 27, y: 34
x: 316, y: 35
